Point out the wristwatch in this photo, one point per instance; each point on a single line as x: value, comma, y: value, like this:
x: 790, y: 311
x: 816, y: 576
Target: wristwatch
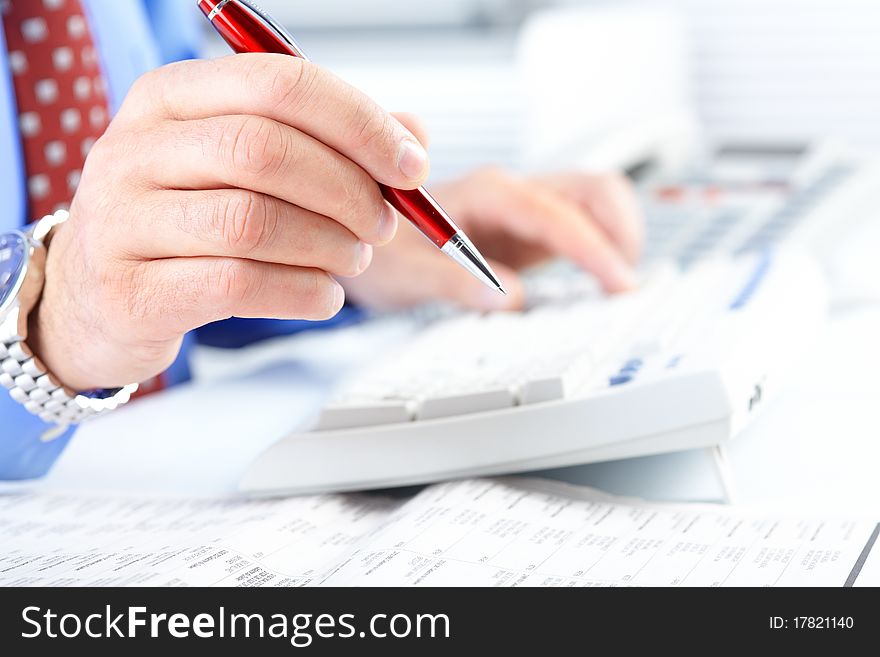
x: 22, y: 274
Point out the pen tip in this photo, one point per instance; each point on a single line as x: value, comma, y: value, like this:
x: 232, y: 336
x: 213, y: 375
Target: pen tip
x: 460, y: 249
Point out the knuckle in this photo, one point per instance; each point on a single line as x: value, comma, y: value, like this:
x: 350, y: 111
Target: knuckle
x: 255, y: 146
x: 372, y: 130
x: 103, y: 153
x: 151, y: 88
x: 146, y: 85
x: 114, y: 150
x: 234, y: 282
x: 287, y: 84
x: 245, y: 222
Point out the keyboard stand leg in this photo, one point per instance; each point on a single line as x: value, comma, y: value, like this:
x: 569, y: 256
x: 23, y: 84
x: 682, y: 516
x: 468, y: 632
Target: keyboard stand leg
x: 725, y: 473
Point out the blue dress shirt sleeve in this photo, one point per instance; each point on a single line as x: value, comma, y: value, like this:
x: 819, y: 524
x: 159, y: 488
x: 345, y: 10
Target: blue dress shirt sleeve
x: 123, y: 33
x: 23, y: 453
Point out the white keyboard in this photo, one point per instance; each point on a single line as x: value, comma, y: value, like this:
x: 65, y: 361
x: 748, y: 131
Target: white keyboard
x: 731, y: 296
x: 683, y: 362
x: 474, y: 363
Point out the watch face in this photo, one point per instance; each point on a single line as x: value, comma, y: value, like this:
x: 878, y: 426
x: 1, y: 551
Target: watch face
x: 13, y: 258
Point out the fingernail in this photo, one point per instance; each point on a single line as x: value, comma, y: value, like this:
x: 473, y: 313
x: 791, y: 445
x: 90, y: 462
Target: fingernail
x: 412, y: 160
x: 387, y: 224
x: 338, y: 298
x: 366, y: 257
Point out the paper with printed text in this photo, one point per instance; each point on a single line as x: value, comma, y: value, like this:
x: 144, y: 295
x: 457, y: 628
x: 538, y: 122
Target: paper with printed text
x: 502, y: 532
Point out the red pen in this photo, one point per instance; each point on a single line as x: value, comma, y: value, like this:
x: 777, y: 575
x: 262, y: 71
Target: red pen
x: 248, y: 29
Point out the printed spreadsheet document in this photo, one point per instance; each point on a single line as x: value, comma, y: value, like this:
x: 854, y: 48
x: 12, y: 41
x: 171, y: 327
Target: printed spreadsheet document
x: 483, y: 532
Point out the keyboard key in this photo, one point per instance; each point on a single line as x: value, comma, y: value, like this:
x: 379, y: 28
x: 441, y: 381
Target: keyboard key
x: 557, y: 380
x: 467, y: 402
x: 563, y: 348
x: 367, y: 414
x: 631, y: 367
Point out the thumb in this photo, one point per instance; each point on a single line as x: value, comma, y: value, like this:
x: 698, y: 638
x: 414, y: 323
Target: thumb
x: 469, y: 292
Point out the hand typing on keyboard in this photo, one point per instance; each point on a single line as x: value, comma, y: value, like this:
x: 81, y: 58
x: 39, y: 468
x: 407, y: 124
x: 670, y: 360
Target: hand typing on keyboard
x: 727, y: 304
x: 592, y: 221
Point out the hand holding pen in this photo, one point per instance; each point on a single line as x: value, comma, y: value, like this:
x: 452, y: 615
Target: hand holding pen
x: 238, y: 187
x: 247, y: 29
x: 246, y: 186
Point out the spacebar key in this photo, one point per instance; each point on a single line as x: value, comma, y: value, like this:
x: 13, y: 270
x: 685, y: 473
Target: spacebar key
x: 462, y: 403
x: 364, y: 414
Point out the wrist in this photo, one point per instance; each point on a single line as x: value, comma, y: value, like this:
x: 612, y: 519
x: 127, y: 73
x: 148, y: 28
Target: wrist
x: 85, y: 342
x: 48, y: 345
x: 51, y: 328
x: 24, y: 373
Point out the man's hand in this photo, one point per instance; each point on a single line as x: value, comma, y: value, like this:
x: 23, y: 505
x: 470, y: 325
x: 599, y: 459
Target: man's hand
x: 235, y: 187
x: 516, y: 222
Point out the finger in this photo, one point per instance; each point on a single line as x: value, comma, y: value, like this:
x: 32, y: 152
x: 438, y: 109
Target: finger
x: 612, y: 202
x: 191, y: 292
x: 242, y: 224
x: 291, y: 91
x: 415, y: 125
x: 270, y: 158
x: 534, y: 214
x: 451, y: 283
x: 406, y: 277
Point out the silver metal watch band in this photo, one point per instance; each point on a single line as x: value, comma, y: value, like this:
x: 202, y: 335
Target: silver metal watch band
x: 30, y: 385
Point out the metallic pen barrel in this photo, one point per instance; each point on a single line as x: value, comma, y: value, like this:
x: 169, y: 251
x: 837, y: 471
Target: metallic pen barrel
x: 463, y: 252
x: 425, y: 213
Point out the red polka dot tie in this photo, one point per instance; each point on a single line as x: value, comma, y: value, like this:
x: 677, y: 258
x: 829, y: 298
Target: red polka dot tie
x: 62, y: 100
x: 59, y: 88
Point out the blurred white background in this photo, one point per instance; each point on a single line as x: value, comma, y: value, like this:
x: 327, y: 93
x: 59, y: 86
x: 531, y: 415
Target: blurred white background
x: 760, y: 68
